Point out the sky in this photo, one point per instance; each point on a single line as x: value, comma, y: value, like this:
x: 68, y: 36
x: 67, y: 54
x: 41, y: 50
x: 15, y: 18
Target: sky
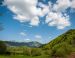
x: 36, y: 20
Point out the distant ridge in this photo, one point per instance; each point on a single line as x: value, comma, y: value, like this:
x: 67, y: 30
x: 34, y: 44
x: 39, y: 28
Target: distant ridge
x: 29, y: 44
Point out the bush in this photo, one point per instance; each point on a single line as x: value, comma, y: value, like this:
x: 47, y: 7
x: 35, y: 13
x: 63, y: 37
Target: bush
x: 27, y: 51
x: 36, y: 51
x: 61, y: 50
x: 48, y: 52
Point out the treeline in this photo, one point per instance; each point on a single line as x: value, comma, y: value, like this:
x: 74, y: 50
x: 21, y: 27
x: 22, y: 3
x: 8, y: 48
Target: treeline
x: 22, y: 50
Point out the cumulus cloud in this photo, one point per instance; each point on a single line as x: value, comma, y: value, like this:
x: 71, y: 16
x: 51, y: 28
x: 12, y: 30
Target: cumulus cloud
x: 61, y: 5
x: 23, y: 33
x: 23, y: 10
x: 35, y: 21
x: 73, y: 4
x: 58, y: 20
x: 27, y: 40
x: 26, y: 11
x: 44, y: 9
x: 38, y: 36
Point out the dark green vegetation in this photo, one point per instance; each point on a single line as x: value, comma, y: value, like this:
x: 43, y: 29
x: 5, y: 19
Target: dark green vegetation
x: 2, y: 47
x: 21, y: 56
x: 60, y: 47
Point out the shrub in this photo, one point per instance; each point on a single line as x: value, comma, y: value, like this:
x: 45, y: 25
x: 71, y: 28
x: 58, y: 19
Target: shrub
x: 61, y: 50
x: 27, y: 51
x: 36, y: 51
x: 48, y: 52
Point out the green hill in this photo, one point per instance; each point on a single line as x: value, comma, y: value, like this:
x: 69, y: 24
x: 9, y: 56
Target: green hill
x: 62, y: 45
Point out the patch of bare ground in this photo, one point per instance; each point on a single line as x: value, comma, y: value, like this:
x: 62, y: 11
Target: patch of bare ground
x: 72, y: 55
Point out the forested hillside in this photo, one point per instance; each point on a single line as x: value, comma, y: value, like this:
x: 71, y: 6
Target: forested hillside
x: 62, y: 45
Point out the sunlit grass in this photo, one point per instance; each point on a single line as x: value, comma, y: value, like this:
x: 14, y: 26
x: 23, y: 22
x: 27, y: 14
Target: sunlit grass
x: 21, y: 56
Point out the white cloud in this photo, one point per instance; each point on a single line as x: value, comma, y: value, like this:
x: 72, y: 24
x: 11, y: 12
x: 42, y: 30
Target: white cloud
x: 58, y: 20
x: 38, y: 36
x: 23, y: 34
x: 44, y: 11
x: 73, y: 4
x: 26, y: 11
x: 27, y: 40
x: 35, y: 21
x: 61, y: 5
x: 21, y: 18
x: 23, y: 10
x: 44, y: 8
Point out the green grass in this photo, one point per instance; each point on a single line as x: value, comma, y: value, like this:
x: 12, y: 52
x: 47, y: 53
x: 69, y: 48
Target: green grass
x: 21, y: 56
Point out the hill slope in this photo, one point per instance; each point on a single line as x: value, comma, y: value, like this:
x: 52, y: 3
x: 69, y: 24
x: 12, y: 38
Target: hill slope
x: 68, y: 37
x: 62, y: 45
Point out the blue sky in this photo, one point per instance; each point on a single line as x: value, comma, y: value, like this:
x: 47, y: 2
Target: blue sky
x: 41, y: 21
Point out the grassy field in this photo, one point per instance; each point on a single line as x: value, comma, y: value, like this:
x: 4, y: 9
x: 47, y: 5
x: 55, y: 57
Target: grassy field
x: 20, y: 56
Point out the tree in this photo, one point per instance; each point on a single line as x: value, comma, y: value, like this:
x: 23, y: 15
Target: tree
x: 36, y: 52
x: 27, y: 51
x: 3, y: 47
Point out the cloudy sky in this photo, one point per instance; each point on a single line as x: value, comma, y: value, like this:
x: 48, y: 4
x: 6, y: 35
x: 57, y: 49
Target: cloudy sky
x: 36, y: 20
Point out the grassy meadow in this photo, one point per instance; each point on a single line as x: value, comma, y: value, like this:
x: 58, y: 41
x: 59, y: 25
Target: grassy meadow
x: 22, y: 56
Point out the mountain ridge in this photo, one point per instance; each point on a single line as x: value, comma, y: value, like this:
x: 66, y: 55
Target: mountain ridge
x: 29, y: 44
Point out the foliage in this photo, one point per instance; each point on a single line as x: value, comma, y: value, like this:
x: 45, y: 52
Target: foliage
x: 36, y: 51
x: 3, y: 47
x: 62, y: 45
x: 27, y: 51
x: 61, y: 49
